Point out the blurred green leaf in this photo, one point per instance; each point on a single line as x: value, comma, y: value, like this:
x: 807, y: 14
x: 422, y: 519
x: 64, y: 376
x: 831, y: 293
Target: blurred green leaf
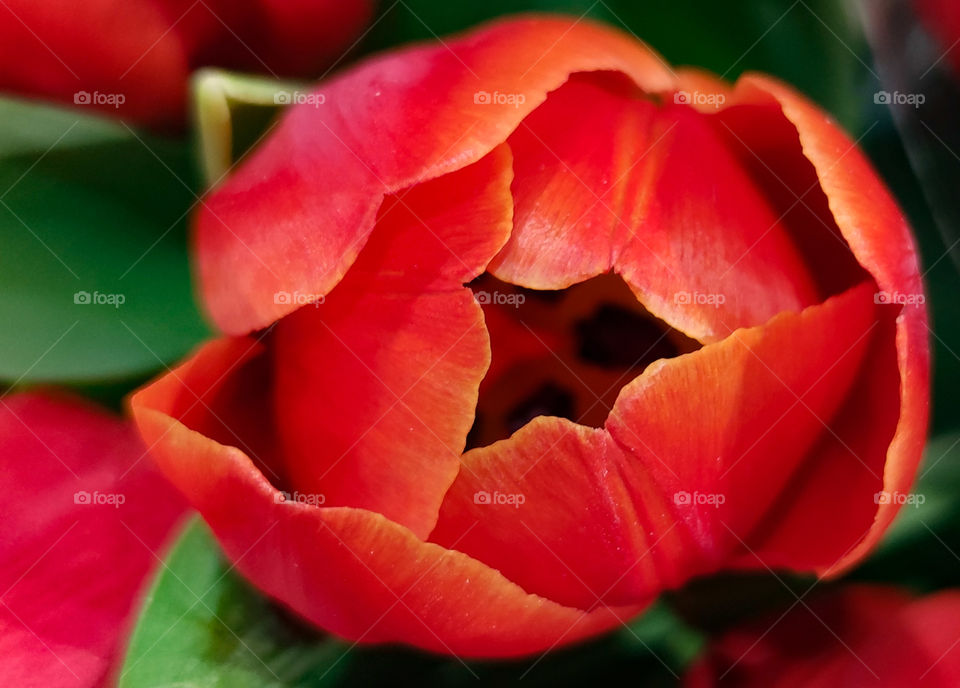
x: 912, y: 146
x: 922, y: 548
x: 94, y: 278
x: 202, y: 625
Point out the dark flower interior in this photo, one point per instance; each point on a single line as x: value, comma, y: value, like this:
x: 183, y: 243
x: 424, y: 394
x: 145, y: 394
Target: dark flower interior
x: 564, y: 353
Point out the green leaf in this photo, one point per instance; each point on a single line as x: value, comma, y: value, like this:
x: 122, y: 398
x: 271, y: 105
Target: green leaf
x: 202, y: 626
x: 920, y: 548
x: 94, y: 277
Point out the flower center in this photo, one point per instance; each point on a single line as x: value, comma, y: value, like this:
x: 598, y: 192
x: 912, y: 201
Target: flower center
x: 565, y: 353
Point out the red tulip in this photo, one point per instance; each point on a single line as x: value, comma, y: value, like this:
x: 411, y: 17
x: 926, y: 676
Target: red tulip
x: 757, y: 243
x: 84, y: 518
x: 942, y: 19
x: 859, y: 636
x: 133, y: 57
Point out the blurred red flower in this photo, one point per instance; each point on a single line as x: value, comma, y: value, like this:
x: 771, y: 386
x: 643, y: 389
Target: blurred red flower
x: 942, y: 19
x: 85, y: 516
x: 858, y: 636
x: 132, y: 58
x: 609, y: 213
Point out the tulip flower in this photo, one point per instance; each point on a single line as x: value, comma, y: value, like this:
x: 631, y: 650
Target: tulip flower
x: 942, y: 19
x: 694, y: 305
x: 858, y: 636
x: 133, y: 58
x: 85, y: 519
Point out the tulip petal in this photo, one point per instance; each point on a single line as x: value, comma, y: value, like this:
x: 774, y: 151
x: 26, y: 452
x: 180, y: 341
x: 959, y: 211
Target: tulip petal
x: 56, y: 49
x: 879, y: 237
x: 856, y: 636
x: 768, y: 149
x: 294, y: 216
x: 551, y: 509
x: 384, y: 435
x: 376, y: 389
x: 941, y: 18
x: 606, y: 508
x: 607, y: 179
x: 348, y: 570
x: 294, y: 38
x: 84, y: 519
x: 581, y: 181
x: 833, y: 497
x: 739, y: 418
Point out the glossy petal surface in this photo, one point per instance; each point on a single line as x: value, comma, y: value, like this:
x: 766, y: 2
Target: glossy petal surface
x: 623, y: 513
x: 296, y: 214
x: 608, y: 179
x: 403, y: 343
x: 879, y: 237
x: 351, y: 571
